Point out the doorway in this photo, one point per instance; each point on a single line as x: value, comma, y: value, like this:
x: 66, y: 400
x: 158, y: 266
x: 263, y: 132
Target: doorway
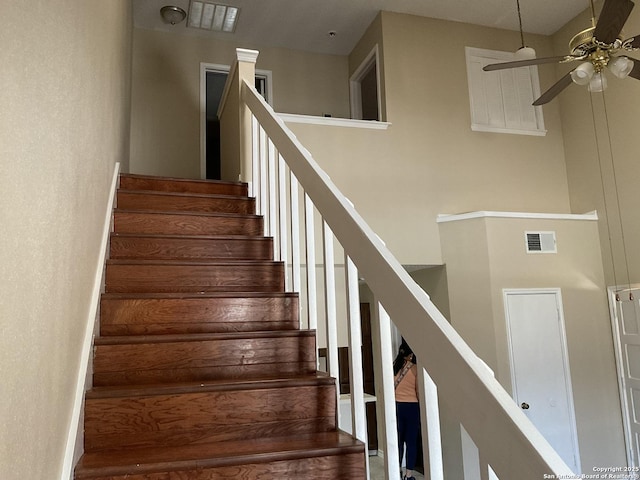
x: 365, y: 89
x: 213, y: 78
x: 540, y: 376
x: 625, y: 319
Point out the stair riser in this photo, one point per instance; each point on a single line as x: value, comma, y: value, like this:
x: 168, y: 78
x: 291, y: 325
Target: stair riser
x: 268, y: 277
x: 197, y: 315
x: 195, y: 418
x: 193, y: 361
x: 154, y: 248
x: 167, y: 405
x: 181, y: 186
x: 176, y: 224
x: 188, y: 203
x: 331, y: 467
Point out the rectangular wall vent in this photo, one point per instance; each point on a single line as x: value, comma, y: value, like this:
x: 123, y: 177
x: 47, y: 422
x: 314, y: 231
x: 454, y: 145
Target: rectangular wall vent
x: 541, y: 242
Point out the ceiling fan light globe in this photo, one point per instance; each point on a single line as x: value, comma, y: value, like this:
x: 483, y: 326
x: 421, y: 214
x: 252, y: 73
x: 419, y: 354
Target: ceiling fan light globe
x: 525, y: 53
x: 582, y: 74
x: 598, y: 83
x: 621, y: 66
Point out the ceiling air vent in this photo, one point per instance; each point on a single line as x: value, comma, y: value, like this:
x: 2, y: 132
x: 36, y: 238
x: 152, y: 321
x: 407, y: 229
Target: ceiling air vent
x: 541, y: 242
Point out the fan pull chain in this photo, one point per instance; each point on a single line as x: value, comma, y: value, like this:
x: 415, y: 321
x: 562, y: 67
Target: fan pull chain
x: 615, y: 186
x: 604, y: 196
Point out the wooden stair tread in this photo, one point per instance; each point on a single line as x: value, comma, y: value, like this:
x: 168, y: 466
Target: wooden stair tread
x: 160, y: 193
x: 319, y: 378
x: 188, y: 212
x: 191, y: 263
x: 253, y: 238
x: 199, y: 337
x: 201, y: 370
x: 147, y: 460
x: 191, y: 295
x: 180, y: 179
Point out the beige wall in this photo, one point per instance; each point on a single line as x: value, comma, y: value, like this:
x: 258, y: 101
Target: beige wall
x: 600, y: 137
x: 64, y: 123
x: 429, y: 161
x: 165, y: 118
x: 485, y: 256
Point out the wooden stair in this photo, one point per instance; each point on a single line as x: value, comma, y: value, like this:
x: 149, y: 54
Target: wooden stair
x: 200, y: 371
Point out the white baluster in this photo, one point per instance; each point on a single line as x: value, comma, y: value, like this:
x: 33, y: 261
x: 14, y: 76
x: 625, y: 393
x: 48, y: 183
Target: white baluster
x: 385, y: 392
x: 312, y: 303
x: 331, y: 319
x: 273, y: 207
x: 262, y: 210
x: 282, y: 217
x: 356, y: 379
x: 295, y: 233
x: 430, y: 425
x: 255, y: 158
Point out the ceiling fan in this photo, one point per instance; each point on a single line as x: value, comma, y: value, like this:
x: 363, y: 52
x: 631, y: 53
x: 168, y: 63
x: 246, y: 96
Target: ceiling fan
x: 599, y: 46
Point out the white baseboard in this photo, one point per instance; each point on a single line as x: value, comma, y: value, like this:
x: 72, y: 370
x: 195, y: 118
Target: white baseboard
x: 73, y: 448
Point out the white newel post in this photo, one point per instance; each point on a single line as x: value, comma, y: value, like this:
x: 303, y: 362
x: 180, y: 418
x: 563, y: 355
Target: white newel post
x: 246, y: 70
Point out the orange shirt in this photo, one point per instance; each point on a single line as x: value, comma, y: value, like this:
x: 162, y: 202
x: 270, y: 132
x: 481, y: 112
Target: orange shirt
x: 407, y: 388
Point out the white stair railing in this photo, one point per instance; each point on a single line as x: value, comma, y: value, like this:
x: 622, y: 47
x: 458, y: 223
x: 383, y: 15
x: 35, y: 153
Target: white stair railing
x: 282, y: 174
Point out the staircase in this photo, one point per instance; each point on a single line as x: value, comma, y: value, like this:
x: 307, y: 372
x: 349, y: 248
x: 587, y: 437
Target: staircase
x: 200, y: 370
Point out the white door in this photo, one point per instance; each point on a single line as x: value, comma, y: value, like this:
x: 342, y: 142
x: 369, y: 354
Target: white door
x: 626, y: 332
x: 540, y: 368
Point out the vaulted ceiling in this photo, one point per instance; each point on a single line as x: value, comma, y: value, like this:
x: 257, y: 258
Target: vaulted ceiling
x: 305, y: 24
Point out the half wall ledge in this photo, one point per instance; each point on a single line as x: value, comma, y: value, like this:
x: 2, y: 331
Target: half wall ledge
x: 333, y: 121
x: 445, y: 217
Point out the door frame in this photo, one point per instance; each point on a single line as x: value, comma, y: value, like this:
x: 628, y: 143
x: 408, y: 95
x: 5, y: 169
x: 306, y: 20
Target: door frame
x: 620, y: 371
x: 565, y: 355
x: 220, y: 68
x: 371, y: 60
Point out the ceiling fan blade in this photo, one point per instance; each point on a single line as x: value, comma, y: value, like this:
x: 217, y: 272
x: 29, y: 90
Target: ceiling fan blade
x: 555, y: 89
x: 635, y: 72
x: 526, y: 63
x: 613, y: 16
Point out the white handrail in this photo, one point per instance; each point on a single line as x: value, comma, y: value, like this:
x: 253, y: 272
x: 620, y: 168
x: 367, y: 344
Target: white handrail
x: 506, y: 439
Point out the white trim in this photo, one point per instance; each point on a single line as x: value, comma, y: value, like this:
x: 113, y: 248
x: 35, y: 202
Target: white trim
x: 91, y: 322
x: 476, y: 127
x: 445, y: 217
x: 565, y: 355
x: 372, y: 59
x: 334, y: 122
x: 246, y: 55
x: 229, y: 70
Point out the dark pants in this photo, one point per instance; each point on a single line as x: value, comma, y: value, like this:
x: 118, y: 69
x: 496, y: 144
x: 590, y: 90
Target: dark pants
x: 408, y: 415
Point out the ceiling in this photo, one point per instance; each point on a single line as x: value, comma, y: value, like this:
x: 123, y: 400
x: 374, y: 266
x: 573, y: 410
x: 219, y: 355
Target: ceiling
x: 305, y: 24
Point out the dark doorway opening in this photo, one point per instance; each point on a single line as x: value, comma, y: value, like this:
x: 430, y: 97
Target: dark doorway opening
x: 215, y: 81
x: 369, y: 91
x: 215, y: 87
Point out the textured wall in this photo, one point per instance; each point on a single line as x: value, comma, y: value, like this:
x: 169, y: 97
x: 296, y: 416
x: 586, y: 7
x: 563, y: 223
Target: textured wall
x: 64, y: 123
x: 429, y: 161
x: 485, y: 256
x: 166, y: 94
